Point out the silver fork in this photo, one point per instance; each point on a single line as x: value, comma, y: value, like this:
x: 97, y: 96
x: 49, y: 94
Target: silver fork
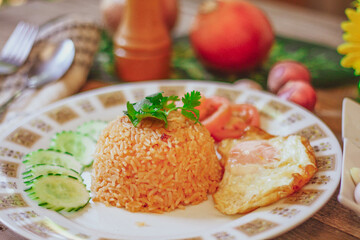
x: 17, y: 48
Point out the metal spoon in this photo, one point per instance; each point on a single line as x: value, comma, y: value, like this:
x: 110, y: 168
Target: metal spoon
x: 49, y: 67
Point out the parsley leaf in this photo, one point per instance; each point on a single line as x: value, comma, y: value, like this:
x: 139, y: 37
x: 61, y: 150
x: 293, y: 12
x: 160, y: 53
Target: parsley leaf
x: 190, y: 102
x: 158, y: 106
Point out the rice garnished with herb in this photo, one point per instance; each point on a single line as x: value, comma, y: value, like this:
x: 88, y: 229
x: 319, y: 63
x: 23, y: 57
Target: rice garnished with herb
x: 150, y: 168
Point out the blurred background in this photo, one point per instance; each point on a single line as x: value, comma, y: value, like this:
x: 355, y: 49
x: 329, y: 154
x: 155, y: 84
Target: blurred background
x: 335, y: 7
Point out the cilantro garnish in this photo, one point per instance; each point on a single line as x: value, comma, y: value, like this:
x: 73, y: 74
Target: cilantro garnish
x: 159, y: 106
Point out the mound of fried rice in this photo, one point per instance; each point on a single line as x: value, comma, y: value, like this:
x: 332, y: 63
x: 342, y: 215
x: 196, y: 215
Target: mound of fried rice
x: 150, y: 168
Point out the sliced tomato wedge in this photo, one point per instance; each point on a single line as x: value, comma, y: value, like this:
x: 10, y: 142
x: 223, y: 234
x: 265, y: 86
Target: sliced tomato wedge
x: 203, y: 108
x: 242, y: 116
x: 247, y: 113
x: 215, y: 112
x: 225, y: 120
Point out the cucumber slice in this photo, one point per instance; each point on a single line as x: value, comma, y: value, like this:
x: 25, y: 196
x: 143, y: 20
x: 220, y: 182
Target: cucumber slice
x: 53, y: 157
x: 81, y: 146
x: 92, y: 128
x: 59, y: 192
x: 48, y: 169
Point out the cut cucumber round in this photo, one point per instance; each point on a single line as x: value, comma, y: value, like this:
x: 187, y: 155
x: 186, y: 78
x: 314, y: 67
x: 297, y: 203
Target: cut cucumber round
x: 48, y: 169
x: 52, y: 157
x: 92, y: 128
x: 59, y: 192
x: 81, y: 146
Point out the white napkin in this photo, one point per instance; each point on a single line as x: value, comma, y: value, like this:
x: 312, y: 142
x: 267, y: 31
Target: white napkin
x: 85, y: 34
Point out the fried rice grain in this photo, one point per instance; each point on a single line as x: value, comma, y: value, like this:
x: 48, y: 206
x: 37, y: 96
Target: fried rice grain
x: 150, y: 168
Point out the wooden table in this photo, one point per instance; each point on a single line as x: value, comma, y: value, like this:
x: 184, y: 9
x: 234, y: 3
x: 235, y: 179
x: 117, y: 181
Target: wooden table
x: 333, y: 221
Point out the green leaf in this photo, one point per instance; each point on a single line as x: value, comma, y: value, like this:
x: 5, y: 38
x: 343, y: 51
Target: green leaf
x: 193, y: 114
x: 143, y: 104
x: 170, y: 102
x: 158, y: 106
x: 161, y: 116
x: 130, y: 112
x: 191, y: 100
x: 158, y: 115
x: 155, y: 99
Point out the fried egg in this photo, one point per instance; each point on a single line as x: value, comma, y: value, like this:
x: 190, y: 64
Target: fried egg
x: 260, y: 169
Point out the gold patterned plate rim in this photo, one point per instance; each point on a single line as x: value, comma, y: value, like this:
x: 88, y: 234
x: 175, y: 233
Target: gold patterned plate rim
x: 202, y: 221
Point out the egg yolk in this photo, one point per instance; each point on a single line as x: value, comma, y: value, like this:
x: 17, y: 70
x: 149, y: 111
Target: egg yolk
x: 252, y: 154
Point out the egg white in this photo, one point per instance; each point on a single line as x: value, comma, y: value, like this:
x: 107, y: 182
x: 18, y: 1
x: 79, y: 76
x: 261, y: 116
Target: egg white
x: 247, y: 186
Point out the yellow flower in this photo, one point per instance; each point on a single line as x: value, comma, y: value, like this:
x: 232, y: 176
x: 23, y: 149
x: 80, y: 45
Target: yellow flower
x: 351, y: 47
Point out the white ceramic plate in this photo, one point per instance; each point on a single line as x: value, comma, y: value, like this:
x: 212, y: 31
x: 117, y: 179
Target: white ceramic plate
x: 351, y: 137
x: 202, y: 221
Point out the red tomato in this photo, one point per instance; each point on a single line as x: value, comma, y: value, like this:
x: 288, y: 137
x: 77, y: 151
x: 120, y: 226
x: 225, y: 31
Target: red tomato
x: 215, y: 112
x: 231, y: 35
x: 285, y: 71
x: 224, y: 120
x: 247, y: 113
x: 203, y: 108
x: 242, y: 116
x: 301, y: 93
